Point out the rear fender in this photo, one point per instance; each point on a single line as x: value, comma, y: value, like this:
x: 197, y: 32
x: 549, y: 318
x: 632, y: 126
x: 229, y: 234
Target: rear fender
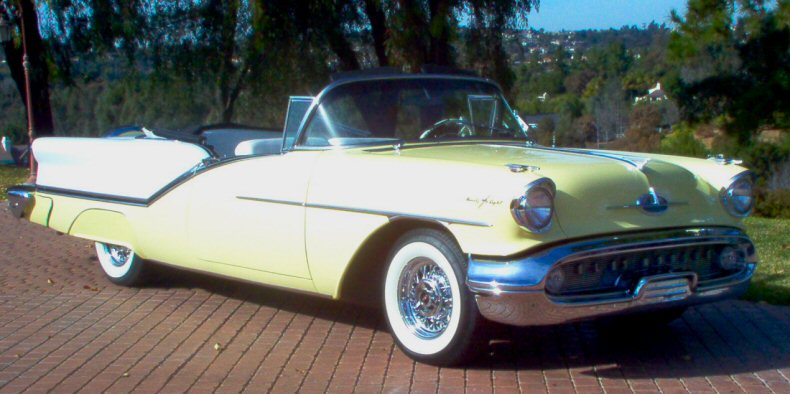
x: 103, y: 226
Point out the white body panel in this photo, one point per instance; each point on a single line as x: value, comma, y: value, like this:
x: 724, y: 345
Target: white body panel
x: 135, y: 168
x: 234, y: 218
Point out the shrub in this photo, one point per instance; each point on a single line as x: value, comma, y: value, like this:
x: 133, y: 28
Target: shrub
x: 683, y: 142
x: 772, y: 203
x: 17, y: 133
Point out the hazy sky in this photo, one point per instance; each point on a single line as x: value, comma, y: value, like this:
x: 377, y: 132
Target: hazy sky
x: 556, y: 15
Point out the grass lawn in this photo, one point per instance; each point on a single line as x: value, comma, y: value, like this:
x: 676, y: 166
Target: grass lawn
x: 771, y: 282
x: 10, y: 176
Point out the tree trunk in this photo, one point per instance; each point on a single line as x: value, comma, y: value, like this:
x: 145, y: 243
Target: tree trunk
x: 340, y: 45
x: 440, y: 52
x: 378, y: 27
x: 233, y: 96
x: 415, y: 24
x: 228, y: 92
x: 43, y: 124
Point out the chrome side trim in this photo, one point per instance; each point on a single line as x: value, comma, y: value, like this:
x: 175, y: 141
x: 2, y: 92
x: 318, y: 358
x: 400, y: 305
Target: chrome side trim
x: 144, y: 202
x: 140, y: 202
x: 271, y: 200
x: 391, y: 215
x: 637, y: 163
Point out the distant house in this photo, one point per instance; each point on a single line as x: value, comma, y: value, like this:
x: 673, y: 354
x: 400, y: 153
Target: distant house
x: 534, y: 120
x: 653, y: 94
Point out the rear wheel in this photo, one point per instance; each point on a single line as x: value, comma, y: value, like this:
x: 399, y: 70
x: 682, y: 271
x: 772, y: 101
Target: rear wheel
x: 432, y: 316
x: 121, y: 265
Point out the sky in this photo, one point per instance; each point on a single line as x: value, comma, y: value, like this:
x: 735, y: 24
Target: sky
x: 557, y: 15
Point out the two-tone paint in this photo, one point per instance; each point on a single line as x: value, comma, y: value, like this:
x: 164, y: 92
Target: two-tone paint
x: 296, y: 220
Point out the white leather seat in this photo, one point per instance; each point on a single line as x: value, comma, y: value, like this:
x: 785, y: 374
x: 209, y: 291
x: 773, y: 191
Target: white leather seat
x: 264, y: 146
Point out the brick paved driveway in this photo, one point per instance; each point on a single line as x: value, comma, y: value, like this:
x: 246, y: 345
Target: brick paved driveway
x: 64, y: 328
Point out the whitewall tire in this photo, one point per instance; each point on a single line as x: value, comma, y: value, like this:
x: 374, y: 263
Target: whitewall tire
x: 431, y: 314
x: 121, y: 265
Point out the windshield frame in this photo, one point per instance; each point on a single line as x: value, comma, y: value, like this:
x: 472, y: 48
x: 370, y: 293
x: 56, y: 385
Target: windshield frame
x: 299, y: 143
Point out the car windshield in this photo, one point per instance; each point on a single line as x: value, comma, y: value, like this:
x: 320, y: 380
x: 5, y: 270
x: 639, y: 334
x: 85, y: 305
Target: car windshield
x: 419, y: 109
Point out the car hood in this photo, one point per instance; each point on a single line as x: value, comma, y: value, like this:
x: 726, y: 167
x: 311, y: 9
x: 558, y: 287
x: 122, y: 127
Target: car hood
x: 597, y: 191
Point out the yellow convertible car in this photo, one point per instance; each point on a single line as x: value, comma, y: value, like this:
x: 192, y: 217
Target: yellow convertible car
x: 420, y: 191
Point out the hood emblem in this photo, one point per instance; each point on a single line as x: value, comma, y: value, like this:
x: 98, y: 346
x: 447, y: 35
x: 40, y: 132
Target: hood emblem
x: 522, y: 168
x: 651, y: 203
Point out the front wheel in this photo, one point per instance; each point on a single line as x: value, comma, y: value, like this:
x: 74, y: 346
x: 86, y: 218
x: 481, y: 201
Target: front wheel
x: 432, y: 316
x: 121, y: 265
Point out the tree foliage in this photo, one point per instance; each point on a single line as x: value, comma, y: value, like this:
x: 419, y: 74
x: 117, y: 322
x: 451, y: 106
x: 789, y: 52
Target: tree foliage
x: 734, y: 60
x: 591, y: 80
x: 643, y: 122
x: 22, y: 17
x: 234, y: 56
x: 683, y: 142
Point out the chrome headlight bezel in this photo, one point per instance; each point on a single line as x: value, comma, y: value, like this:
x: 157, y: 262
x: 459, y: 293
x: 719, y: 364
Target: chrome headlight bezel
x: 732, y: 197
x: 527, y: 214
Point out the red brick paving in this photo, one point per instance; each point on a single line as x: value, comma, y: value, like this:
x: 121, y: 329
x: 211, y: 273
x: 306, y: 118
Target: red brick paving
x: 64, y: 328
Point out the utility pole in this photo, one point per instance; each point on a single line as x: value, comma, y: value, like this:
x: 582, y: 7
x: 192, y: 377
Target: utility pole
x: 6, y: 30
x: 29, y: 103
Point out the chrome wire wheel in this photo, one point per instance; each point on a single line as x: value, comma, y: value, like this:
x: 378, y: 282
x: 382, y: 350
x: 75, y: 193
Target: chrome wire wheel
x: 425, y: 297
x: 120, y: 264
x: 430, y: 314
x: 119, y: 255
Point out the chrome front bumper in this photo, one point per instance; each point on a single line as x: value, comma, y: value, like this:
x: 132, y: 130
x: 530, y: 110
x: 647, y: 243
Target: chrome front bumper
x: 512, y: 291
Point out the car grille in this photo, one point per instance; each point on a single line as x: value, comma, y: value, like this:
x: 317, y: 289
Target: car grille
x: 620, y: 272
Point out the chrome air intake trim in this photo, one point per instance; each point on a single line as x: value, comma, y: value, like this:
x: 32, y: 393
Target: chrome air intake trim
x: 517, y: 290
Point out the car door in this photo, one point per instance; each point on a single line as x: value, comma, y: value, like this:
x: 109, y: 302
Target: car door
x: 250, y: 213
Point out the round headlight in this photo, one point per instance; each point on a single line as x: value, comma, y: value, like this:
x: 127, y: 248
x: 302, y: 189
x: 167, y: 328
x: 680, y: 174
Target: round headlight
x: 535, y: 208
x: 737, y: 198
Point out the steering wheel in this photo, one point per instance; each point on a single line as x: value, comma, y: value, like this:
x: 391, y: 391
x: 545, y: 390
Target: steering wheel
x: 454, y: 126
